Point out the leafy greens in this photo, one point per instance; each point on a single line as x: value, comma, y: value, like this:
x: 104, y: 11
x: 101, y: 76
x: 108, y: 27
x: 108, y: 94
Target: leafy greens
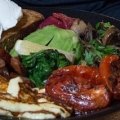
x: 94, y: 50
x: 41, y: 64
x: 57, y: 38
x: 101, y: 28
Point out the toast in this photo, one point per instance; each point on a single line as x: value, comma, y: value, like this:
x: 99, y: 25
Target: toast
x: 27, y: 24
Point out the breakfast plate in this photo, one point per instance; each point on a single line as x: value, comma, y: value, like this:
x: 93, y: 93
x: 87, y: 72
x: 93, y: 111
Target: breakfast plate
x: 92, y: 18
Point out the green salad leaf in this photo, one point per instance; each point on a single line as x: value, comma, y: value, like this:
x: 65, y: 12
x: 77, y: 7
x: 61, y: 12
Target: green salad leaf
x: 95, y: 51
x: 101, y: 28
x: 58, y: 38
x: 41, y: 64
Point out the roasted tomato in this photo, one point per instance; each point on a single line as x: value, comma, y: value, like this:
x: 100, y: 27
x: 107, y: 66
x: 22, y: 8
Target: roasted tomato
x: 115, y: 78
x: 79, y: 87
x: 105, y: 71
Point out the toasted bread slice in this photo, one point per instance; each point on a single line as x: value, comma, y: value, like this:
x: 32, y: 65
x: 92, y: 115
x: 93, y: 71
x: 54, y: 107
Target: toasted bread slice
x: 27, y: 24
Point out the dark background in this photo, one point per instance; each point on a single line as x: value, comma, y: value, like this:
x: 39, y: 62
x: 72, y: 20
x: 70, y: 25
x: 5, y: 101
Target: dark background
x: 106, y: 7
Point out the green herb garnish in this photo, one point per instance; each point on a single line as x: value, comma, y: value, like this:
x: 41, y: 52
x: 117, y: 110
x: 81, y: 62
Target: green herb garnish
x: 96, y: 51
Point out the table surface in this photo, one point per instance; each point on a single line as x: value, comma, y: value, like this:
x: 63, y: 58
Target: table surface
x: 111, y: 116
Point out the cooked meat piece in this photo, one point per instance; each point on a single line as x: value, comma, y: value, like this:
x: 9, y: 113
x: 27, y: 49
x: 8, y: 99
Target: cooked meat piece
x: 5, y: 63
x: 78, y: 87
x: 3, y: 69
x: 17, y: 66
x: 5, y: 56
x: 5, y: 72
x: 2, y: 63
x: 115, y: 78
x: 112, y: 36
